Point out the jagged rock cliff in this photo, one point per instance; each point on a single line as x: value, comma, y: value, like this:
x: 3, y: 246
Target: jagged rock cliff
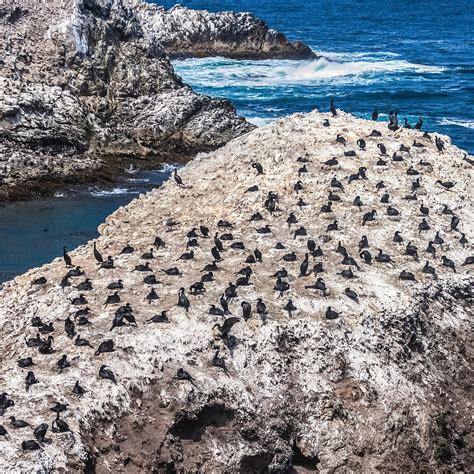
x: 198, y: 33
x: 381, y: 385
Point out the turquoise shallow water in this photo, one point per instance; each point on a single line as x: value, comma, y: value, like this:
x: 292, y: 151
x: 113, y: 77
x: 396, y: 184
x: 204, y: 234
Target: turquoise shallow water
x: 33, y: 232
x: 416, y: 57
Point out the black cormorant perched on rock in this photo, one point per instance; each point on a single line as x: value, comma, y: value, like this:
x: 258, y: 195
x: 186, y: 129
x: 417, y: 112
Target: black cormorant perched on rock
x: 290, y: 307
x: 183, y: 301
x: 448, y: 263
x: 258, y: 168
x: 105, y: 346
x: 106, y: 373
x: 332, y: 108
x: 331, y: 314
x: 177, y: 178
x: 97, y: 254
x: 375, y: 114
x: 67, y: 259
x: 419, y: 124
x: 226, y: 326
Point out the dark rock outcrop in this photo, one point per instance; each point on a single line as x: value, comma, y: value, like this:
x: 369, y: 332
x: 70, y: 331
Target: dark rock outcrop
x: 84, y: 85
x: 198, y: 33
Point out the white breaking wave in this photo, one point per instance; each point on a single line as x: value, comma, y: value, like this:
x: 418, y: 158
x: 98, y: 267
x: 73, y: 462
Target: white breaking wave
x: 111, y: 192
x: 221, y: 72
x: 167, y: 168
x: 458, y: 122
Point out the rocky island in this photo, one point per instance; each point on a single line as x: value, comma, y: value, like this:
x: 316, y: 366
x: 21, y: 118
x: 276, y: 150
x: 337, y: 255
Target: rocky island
x: 87, y: 87
x: 305, y: 308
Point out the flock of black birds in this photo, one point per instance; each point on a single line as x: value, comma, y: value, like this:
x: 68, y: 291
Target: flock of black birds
x: 222, y: 241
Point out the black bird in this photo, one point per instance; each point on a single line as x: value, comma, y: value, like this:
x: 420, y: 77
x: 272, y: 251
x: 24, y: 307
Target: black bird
x: 357, y: 202
x: 331, y: 314
x: 148, y: 255
x: 302, y: 170
x: 298, y: 187
x: 67, y: 258
x: 438, y: 240
x: 366, y: 256
x: 108, y: 263
x: 439, y: 144
x: 448, y: 263
x: 30, y: 445
x: 30, y: 379
x: 40, y: 432
x: 18, y: 424
x: 468, y: 261
x: 431, y: 249
x: 380, y: 185
x: 246, y: 310
x: 264, y: 230
x: 59, y: 426
x: 25, y: 362
x: 291, y: 219
x: 319, y: 285
x: 258, y: 167
x: 419, y: 124
x: 382, y: 148
x: 81, y: 342
x: 3, y: 431
x: 290, y: 307
x: 153, y: 295
x: 412, y: 251
x: 65, y: 282
x: 318, y: 268
x: 351, y: 294
x: 340, y: 139
x: 258, y: 255
x: 128, y: 249
x: 183, y: 301
x: 262, y: 309
x: 332, y: 227
x: 430, y: 270
x: 375, y: 133
x: 98, y: 255
x: 289, y: 257
x: 173, y: 271
x: 112, y: 299
x: 300, y: 232
x: 383, y: 257
x: 159, y: 318
x: 397, y: 238
x: 454, y: 222
x: 59, y: 407
x: 62, y: 363
x: 78, y: 390
x: 332, y: 108
x: 227, y: 325
x: 311, y: 245
x: 159, y: 242
x: 423, y: 225
x: 281, y: 286
x: 69, y: 327
x: 424, y: 210
x: 326, y: 208
x: 177, y: 178
x: 187, y: 256
x: 406, y: 124
x: 106, y: 373
x: 204, y: 231
x: 375, y: 115
x: 407, y: 276
x: 369, y: 216
x: 46, y: 346
x: 363, y: 243
x: 304, y: 266
x: 218, y: 243
x: 230, y: 291
x: 335, y: 183
x: 463, y: 241
x: 105, y: 346
x: 85, y: 285
x: 39, y: 281
x: 326, y: 123
x: 333, y: 197
x: 362, y: 144
x: 182, y: 374
x: 301, y: 203
x: 350, y: 153
x: 115, y: 285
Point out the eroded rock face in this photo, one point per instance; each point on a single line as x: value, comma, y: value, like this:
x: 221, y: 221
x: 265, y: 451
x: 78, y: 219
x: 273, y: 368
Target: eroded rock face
x: 188, y: 33
x: 83, y: 83
x: 383, y: 386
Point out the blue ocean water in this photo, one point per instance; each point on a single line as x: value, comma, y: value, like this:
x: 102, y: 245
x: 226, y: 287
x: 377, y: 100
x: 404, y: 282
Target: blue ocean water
x: 413, y: 56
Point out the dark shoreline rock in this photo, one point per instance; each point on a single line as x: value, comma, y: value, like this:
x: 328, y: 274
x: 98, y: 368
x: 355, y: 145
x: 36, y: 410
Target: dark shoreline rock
x: 186, y: 33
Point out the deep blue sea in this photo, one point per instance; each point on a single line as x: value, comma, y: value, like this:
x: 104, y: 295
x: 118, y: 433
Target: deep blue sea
x: 416, y: 57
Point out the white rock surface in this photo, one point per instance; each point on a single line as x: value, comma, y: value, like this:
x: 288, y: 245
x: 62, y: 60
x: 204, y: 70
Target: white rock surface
x: 384, y: 387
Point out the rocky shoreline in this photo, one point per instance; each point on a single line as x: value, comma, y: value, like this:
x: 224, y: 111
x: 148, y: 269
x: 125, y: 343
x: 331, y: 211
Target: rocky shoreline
x: 380, y: 385
x: 86, y: 83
